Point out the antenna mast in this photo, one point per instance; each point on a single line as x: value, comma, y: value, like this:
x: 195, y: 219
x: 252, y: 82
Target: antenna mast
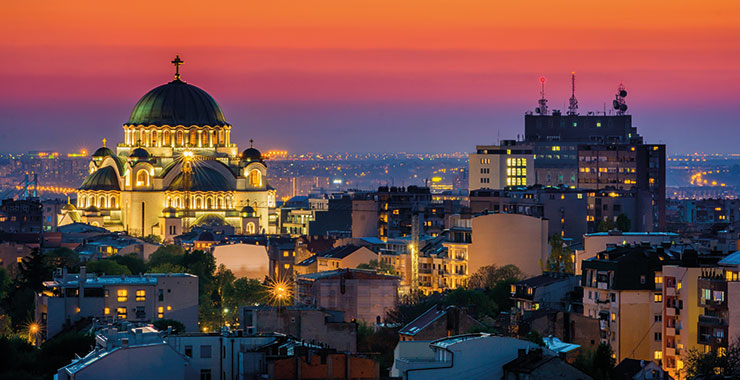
x: 573, y: 106
x: 542, y: 108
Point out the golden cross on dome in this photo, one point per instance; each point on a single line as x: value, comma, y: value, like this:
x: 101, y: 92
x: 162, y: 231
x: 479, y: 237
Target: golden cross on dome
x: 177, y: 62
x: 104, y: 140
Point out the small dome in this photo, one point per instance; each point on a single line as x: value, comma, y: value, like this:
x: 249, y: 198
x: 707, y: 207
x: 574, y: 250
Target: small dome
x: 102, y: 179
x: 177, y: 103
x: 69, y: 207
x: 169, y: 210
x: 251, y: 154
x: 139, y: 154
x: 92, y: 209
x: 102, y: 152
x: 206, y: 236
x: 248, y: 209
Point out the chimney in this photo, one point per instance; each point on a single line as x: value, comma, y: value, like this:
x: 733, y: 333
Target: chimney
x: 81, y: 282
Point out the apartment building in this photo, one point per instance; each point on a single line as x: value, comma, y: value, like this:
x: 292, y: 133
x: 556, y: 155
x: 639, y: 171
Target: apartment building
x: 139, y: 298
x: 623, y: 289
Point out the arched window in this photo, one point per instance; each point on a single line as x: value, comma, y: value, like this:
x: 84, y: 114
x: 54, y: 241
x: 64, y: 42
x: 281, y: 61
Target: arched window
x: 198, y: 202
x: 179, y: 138
x: 193, y: 138
x: 255, y: 178
x: 220, y: 203
x: 142, y: 178
x: 154, y: 137
x: 209, y: 203
x: 251, y: 228
x: 166, y: 137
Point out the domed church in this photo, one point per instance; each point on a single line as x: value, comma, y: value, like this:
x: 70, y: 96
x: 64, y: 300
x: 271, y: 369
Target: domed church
x: 175, y: 169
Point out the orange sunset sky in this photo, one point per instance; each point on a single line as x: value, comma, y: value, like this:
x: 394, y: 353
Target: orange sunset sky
x: 355, y: 75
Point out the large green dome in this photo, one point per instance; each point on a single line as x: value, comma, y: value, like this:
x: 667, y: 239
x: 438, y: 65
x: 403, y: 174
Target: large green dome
x: 177, y: 103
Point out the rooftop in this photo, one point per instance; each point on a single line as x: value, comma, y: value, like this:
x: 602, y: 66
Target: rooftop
x: 92, y: 280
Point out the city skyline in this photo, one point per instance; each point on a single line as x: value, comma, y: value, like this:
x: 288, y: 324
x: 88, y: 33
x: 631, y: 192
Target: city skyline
x: 411, y: 74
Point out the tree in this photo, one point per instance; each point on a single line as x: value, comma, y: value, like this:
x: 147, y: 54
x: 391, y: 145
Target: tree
x: 33, y: 270
x: 707, y: 364
x: 162, y: 325
x: 152, y: 239
x: 489, y: 276
x: 106, y: 266
x: 379, y: 266
x: 624, y: 223
x: 63, y: 258
x: 561, y: 257
x: 167, y: 268
x: 605, y: 225
x: 166, y: 254
x: 596, y: 363
x: 131, y: 261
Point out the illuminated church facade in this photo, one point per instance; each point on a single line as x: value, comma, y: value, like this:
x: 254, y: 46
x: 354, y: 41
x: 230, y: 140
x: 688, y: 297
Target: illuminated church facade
x: 176, y: 168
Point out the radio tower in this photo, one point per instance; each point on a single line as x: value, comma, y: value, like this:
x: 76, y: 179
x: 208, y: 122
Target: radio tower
x: 573, y: 106
x: 542, y: 108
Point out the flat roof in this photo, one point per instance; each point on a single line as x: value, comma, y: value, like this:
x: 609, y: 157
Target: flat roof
x: 98, y: 281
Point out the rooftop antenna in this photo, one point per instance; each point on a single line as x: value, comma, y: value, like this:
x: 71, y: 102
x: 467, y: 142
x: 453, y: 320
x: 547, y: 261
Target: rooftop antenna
x: 573, y: 107
x: 618, y: 103
x: 542, y: 109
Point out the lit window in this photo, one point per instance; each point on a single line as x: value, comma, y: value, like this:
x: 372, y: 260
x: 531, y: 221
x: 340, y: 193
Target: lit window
x: 286, y: 266
x: 142, y: 178
x: 169, y: 308
x: 160, y: 312
x: 19, y: 259
x: 255, y: 178
x: 657, y: 297
x: 141, y: 295
x: 598, y: 124
x: 614, y: 317
x: 658, y: 355
x: 121, y: 311
x: 286, y: 253
x: 106, y: 311
x: 658, y: 279
x: 122, y: 295
x: 529, y: 291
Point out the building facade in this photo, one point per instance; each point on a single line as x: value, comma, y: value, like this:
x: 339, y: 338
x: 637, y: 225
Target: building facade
x: 176, y: 167
x: 143, y: 298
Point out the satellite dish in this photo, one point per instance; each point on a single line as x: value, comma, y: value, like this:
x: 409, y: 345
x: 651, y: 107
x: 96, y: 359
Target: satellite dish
x: 615, y: 104
x: 623, y: 108
x: 623, y: 93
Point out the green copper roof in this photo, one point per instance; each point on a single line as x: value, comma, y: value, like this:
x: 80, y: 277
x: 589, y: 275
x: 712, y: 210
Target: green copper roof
x: 177, y: 103
x: 102, y: 179
x: 202, y: 179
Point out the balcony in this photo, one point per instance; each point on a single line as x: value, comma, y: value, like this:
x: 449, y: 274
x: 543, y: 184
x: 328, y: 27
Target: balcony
x: 670, y: 311
x: 670, y: 331
x: 710, y: 320
x: 670, y: 291
x: 709, y: 340
x: 670, y: 351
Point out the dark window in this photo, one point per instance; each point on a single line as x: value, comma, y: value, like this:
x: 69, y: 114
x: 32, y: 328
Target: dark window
x: 205, y: 351
x: 189, y: 351
x: 161, y: 294
x: 140, y: 312
x: 205, y: 374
